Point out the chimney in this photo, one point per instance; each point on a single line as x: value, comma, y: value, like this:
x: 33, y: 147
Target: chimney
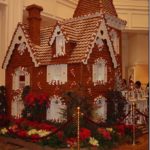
x: 34, y: 22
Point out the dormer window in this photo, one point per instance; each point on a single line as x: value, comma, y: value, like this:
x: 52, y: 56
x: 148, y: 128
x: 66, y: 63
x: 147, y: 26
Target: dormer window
x: 59, y: 40
x: 60, y: 45
x: 100, y: 72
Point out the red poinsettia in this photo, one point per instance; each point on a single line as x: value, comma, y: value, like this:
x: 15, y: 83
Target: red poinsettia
x: 60, y: 134
x: 84, y: 134
x: 105, y: 133
x: 71, y: 142
x: 35, y: 138
x: 22, y: 133
x: 123, y: 128
x: 120, y: 129
x: 31, y: 99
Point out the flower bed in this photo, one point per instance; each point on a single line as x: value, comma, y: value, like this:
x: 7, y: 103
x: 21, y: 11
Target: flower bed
x: 50, y: 135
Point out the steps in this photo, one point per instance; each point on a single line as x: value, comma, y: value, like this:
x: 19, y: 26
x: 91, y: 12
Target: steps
x: 143, y: 128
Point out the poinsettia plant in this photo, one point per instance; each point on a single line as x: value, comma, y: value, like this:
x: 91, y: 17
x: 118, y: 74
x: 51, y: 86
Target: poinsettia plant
x: 48, y: 134
x: 35, y: 106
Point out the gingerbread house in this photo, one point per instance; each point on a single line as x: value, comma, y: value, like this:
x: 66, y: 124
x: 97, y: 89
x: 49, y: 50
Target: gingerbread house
x: 84, y: 49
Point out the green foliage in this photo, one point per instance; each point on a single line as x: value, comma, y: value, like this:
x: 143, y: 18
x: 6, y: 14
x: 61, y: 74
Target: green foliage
x: 36, y: 113
x: 26, y: 91
x: 35, y: 104
x: 78, y: 97
x: 3, y: 103
x: 115, y: 106
x: 54, y: 141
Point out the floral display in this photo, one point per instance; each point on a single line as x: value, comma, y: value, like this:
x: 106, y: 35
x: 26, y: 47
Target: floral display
x: 51, y: 135
x: 35, y: 106
x: 93, y: 141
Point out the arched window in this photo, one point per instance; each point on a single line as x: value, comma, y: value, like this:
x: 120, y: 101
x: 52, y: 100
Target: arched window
x: 101, y: 111
x: 17, y: 104
x: 55, y: 111
x: 20, y: 78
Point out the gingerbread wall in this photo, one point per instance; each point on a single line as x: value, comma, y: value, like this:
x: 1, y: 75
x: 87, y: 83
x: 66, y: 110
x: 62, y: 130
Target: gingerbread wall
x: 16, y: 60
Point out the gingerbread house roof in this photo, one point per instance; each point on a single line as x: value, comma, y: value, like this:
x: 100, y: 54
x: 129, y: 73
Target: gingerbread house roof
x: 89, y: 18
x: 81, y: 30
x: 23, y: 33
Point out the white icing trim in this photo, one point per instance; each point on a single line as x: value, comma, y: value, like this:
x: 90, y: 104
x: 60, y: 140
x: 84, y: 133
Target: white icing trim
x: 115, y: 22
x: 101, y: 103
x: 104, y: 36
x: 64, y: 40
x: 17, y: 104
x: 15, y: 40
x: 115, y: 39
x: 97, y: 99
x: 100, y: 60
x: 55, y: 109
x: 54, y: 35
x: 92, y: 15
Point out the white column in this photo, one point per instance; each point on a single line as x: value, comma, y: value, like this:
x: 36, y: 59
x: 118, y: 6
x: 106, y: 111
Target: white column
x: 14, y: 15
x: 124, y: 54
x: 10, y: 13
x: 2, y: 40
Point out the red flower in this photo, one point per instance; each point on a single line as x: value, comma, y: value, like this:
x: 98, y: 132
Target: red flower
x: 30, y: 99
x: 35, y: 138
x: 13, y: 128
x: 47, y: 127
x: 33, y: 98
x: 121, y: 129
x: 42, y: 98
x: 84, y: 134
x: 22, y: 133
x: 60, y: 134
x: 105, y: 133
x: 71, y: 142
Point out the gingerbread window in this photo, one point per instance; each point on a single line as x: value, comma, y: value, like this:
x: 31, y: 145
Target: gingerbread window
x: 100, y: 72
x: 57, y: 74
x: 20, y: 78
x: 60, y: 45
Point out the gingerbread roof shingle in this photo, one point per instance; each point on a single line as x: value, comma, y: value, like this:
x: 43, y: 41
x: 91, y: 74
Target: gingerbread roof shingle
x: 81, y: 30
x: 85, y: 7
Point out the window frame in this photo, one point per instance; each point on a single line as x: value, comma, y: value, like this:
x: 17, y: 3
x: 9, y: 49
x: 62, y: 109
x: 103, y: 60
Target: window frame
x: 59, y: 71
x: 96, y: 69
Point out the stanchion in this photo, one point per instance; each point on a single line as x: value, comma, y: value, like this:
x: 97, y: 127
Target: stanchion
x: 133, y: 122
x: 78, y: 128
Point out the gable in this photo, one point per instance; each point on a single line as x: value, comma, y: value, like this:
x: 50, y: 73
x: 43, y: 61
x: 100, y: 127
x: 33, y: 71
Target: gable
x: 55, y: 34
x: 21, y: 39
x: 115, y: 22
x: 102, y: 34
